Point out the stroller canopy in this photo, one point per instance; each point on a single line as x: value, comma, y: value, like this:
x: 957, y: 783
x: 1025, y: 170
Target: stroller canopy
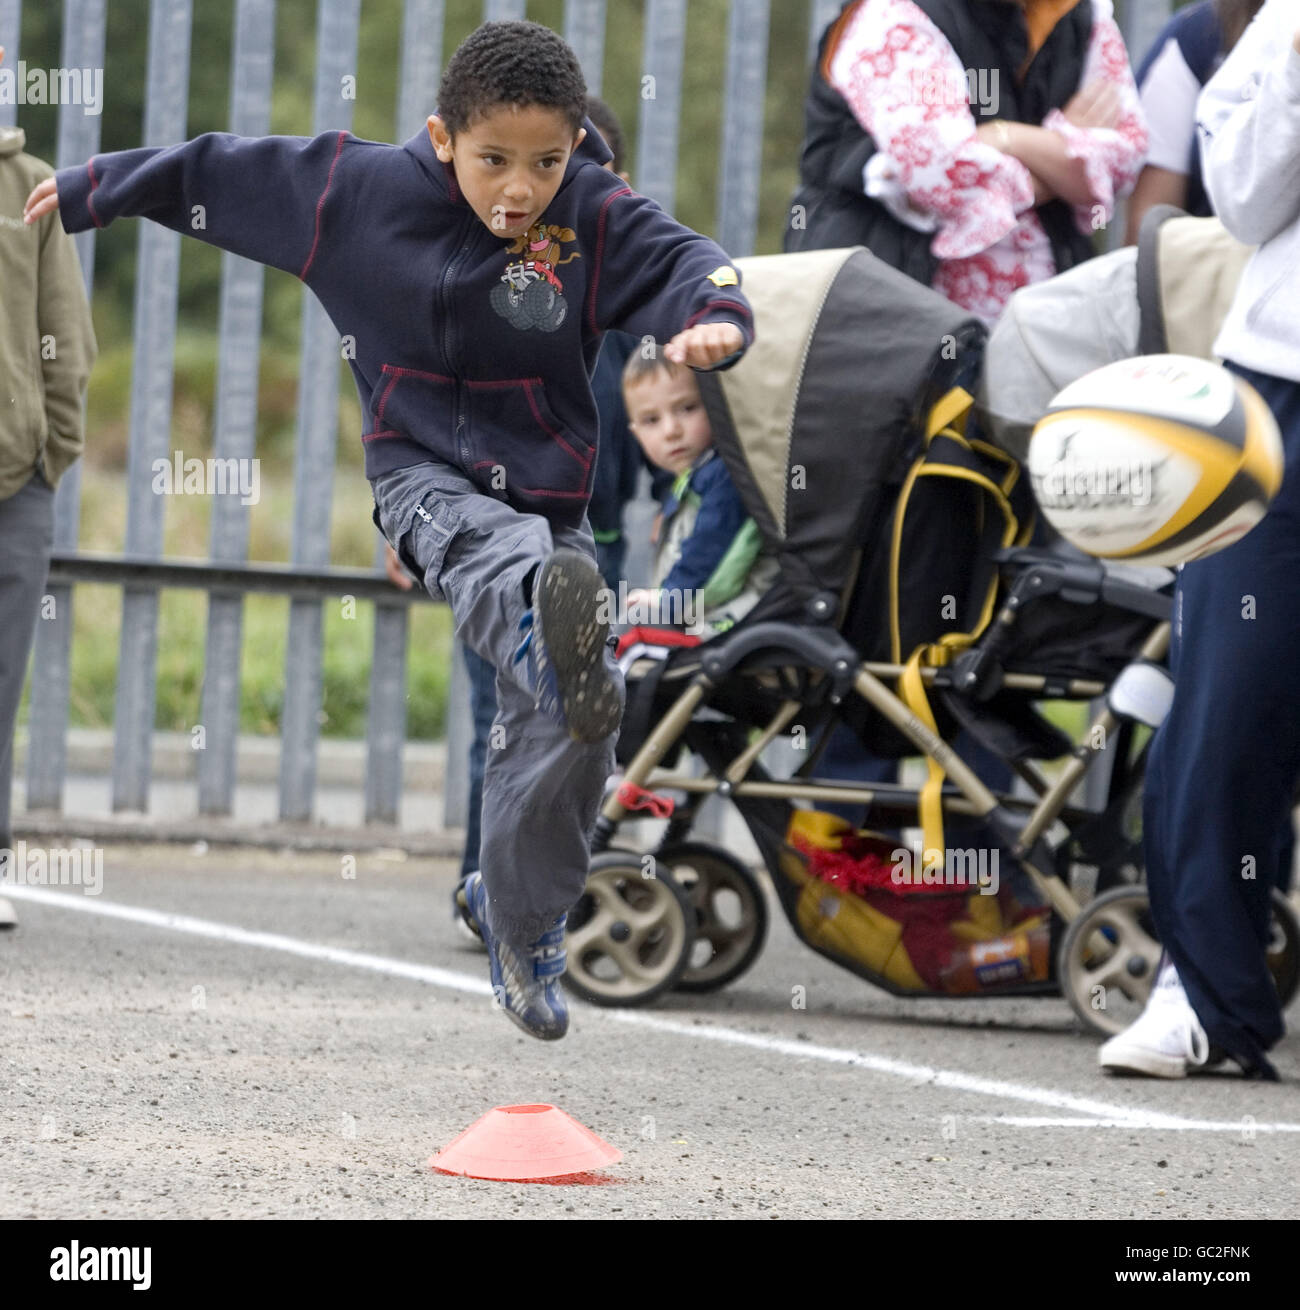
x: 820, y: 421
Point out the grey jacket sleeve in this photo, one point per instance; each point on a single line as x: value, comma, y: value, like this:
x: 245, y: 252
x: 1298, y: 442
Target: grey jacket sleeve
x: 1248, y: 120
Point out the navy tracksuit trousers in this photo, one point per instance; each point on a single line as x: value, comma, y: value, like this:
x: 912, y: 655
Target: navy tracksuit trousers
x: 1224, y: 765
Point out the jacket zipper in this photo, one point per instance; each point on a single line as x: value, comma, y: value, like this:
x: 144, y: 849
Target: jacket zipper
x: 462, y: 435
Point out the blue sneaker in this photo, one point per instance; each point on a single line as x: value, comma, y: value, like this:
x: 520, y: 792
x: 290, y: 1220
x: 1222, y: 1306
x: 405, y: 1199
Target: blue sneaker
x: 526, y: 983
x: 565, y: 641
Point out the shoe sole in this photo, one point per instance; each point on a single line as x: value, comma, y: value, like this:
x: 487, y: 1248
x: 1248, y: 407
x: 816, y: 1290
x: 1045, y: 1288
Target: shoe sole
x: 567, y: 599
x: 547, y: 1036
x: 1150, y: 1064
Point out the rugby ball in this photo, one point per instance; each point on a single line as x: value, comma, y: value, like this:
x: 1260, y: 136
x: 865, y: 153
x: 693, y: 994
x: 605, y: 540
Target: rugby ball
x: 1161, y: 459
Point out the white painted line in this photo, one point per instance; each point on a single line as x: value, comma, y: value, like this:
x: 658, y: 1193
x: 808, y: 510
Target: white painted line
x: 269, y: 941
x: 1132, y: 1117
x: 1245, y: 1125
x: 1098, y: 1113
x: 1039, y: 1121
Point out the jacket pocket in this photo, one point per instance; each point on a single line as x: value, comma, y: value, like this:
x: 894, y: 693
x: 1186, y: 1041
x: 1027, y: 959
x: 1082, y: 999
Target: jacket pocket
x: 408, y: 402
x: 522, y: 451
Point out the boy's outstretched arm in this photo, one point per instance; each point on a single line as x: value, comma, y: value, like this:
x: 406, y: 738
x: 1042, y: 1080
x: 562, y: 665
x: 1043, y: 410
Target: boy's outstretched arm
x: 654, y: 278
x: 260, y: 197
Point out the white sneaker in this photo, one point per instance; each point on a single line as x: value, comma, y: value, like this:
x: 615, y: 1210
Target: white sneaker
x: 8, y: 919
x: 1164, y: 1039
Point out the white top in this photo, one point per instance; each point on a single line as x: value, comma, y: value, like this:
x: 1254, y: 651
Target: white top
x: 1249, y: 123
x: 1169, y: 94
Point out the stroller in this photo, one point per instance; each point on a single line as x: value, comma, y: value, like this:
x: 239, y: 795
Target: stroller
x: 909, y: 609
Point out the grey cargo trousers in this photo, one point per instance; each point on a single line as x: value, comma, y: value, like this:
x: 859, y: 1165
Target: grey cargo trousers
x: 541, y: 789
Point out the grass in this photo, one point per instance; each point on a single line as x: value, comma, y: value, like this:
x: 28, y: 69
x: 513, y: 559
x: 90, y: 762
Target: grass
x: 182, y: 629
x: 182, y: 633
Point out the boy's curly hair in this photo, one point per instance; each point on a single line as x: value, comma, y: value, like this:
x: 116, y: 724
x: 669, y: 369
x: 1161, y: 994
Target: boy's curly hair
x: 512, y: 64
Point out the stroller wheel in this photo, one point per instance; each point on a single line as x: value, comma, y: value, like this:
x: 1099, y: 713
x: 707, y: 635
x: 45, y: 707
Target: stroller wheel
x: 1110, y: 954
x: 629, y: 937
x: 1108, y: 959
x: 1283, y: 949
x: 730, y: 914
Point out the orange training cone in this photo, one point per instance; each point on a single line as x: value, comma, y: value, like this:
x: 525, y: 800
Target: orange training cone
x: 524, y: 1143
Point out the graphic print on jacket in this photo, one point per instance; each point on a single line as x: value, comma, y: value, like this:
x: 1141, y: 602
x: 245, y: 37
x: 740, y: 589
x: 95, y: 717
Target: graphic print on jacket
x: 530, y: 294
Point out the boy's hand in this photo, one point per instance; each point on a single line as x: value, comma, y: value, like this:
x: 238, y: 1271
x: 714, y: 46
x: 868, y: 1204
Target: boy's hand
x: 705, y: 344
x: 43, y: 200
x: 395, y: 570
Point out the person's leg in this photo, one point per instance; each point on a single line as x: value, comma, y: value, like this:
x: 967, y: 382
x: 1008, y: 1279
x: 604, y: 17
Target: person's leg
x: 845, y: 759
x: 991, y: 769
x: 541, y: 788
x: 541, y: 795
x: 610, y: 557
x: 1224, y: 764
x: 26, y: 539
x: 1285, y: 866
x: 483, y: 708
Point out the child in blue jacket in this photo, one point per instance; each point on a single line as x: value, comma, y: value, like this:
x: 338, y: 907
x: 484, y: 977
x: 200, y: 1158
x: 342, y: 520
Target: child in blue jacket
x: 709, y: 569
x: 476, y: 268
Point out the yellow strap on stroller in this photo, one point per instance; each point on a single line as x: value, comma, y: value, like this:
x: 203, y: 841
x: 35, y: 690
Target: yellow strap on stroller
x: 951, y: 409
x: 912, y: 687
x: 948, y: 417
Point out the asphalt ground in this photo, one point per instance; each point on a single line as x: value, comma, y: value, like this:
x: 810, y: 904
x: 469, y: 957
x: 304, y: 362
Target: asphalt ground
x: 173, y: 1068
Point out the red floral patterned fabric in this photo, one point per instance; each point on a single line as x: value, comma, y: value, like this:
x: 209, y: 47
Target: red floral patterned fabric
x: 908, y: 89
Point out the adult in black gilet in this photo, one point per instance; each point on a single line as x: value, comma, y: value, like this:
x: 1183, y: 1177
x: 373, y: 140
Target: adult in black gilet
x: 985, y: 34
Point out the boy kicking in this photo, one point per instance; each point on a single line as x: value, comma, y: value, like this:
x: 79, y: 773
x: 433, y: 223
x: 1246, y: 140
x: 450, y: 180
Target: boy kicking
x: 475, y: 268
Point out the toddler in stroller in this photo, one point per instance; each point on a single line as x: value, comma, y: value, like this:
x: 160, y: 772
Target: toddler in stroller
x: 709, y: 568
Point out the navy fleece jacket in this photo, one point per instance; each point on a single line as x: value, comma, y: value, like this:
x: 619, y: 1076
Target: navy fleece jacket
x: 469, y: 347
